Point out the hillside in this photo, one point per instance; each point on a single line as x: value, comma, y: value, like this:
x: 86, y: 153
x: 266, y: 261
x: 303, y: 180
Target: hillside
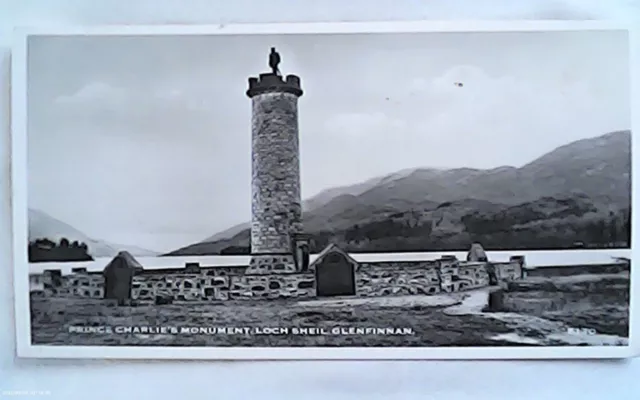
x: 43, y: 226
x: 312, y: 203
x: 551, y: 202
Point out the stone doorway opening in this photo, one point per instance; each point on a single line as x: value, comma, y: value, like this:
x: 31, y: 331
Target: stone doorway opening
x: 335, y: 275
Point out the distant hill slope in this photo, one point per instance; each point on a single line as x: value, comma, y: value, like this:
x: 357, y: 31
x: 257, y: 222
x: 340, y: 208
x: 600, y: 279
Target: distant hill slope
x: 42, y: 225
x: 583, y: 183
x: 312, y: 203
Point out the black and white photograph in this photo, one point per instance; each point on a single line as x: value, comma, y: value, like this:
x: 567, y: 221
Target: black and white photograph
x: 349, y: 189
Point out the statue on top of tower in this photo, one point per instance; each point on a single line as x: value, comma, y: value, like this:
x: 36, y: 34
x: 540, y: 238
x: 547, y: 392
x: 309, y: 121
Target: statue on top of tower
x: 274, y: 61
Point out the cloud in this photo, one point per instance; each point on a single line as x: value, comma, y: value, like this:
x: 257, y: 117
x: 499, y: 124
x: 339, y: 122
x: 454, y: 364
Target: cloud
x: 100, y: 95
x: 97, y: 93
x: 124, y: 111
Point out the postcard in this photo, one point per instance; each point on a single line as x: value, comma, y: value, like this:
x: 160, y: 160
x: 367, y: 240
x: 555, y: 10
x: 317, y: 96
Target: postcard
x: 411, y: 190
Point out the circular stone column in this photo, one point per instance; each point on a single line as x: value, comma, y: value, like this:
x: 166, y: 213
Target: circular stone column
x: 276, y: 204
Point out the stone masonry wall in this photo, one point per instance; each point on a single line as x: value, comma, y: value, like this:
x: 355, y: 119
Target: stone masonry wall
x: 80, y: 285
x: 176, y: 286
x: 397, y: 278
x: 276, y: 203
x: 508, y: 271
x: 203, y: 287
x: 231, y: 283
x: 266, y: 264
x: 273, y: 286
x: 456, y: 276
x: 429, y: 277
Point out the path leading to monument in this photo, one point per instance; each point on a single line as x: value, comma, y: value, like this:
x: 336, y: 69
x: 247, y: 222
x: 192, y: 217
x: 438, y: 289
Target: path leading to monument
x: 439, y: 300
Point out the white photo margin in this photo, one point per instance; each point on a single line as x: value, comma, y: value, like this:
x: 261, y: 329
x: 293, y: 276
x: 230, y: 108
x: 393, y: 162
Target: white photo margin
x: 20, y: 222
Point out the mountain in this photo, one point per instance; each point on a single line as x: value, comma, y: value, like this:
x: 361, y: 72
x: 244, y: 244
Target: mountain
x: 42, y: 225
x: 598, y: 167
x: 312, y: 203
x: 328, y: 195
x: 585, y: 183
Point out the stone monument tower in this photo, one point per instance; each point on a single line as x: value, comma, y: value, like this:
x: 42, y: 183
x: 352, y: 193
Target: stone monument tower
x: 277, y: 243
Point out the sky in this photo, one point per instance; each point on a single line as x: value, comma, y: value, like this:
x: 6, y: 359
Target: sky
x: 145, y: 141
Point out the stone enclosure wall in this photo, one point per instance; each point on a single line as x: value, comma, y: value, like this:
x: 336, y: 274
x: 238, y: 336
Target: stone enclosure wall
x: 79, y: 284
x: 508, y: 271
x: 232, y: 283
x: 206, y: 287
x: 266, y: 264
x: 397, y: 278
x: 431, y: 277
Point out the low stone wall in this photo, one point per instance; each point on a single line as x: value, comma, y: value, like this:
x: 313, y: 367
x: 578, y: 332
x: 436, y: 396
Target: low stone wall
x: 80, y: 285
x: 429, y: 277
x: 508, y: 271
x: 203, y: 287
x: 177, y: 287
x: 236, y: 283
x: 397, y: 278
x: 267, y: 264
x: 456, y: 276
x: 273, y: 286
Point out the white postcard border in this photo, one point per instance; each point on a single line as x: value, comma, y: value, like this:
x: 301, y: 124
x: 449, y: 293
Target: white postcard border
x: 20, y: 220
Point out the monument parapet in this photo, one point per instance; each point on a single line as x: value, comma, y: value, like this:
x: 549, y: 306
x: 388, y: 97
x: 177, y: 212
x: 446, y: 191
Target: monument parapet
x: 273, y: 83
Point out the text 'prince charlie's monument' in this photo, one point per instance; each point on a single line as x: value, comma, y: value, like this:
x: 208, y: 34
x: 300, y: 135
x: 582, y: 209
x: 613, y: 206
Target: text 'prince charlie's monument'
x: 277, y: 242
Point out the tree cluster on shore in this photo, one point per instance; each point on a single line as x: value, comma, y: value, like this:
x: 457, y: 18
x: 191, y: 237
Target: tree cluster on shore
x: 521, y: 232
x: 46, y: 250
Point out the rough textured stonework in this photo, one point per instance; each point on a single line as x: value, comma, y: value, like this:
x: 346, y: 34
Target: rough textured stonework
x: 180, y: 287
x: 273, y: 286
x: 81, y: 284
x: 276, y: 202
x: 399, y: 278
x: 508, y: 271
x: 457, y: 276
x: 202, y: 284
x: 205, y: 287
x: 271, y: 264
x: 428, y: 277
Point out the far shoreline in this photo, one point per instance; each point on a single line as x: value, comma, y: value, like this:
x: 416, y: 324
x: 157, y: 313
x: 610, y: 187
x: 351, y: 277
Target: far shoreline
x: 533, y: 259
